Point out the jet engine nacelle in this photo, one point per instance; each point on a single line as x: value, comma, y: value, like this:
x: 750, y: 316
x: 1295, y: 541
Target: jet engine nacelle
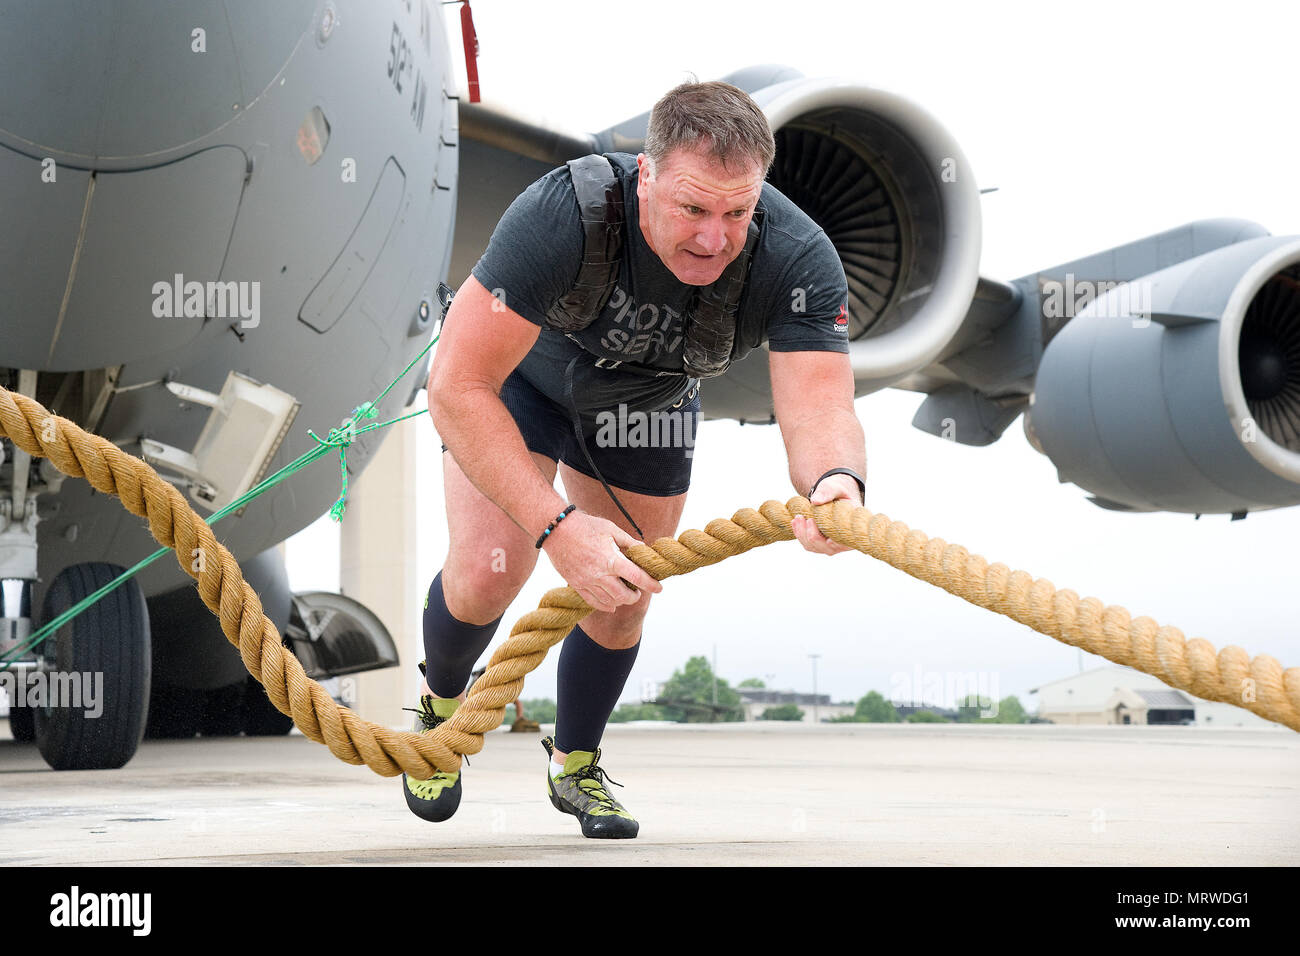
x: 895, y: 194
x: 1180, y: 391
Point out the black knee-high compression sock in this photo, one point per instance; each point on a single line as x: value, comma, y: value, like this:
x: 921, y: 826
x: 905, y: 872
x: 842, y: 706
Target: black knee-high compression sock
x: 450, y: 646
x: 591, y: 678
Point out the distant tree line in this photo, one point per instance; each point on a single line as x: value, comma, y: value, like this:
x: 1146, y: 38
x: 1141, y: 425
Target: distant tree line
x: 875, y: 709
x: 694, y: 694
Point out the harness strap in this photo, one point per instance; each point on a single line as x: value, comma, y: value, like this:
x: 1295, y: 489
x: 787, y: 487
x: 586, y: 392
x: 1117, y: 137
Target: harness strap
x: 577, y: 433
x: 711, y: 321
x: 599, y: 193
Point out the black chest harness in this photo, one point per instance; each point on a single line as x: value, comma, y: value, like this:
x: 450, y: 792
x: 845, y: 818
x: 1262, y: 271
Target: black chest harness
x: 713, y: 338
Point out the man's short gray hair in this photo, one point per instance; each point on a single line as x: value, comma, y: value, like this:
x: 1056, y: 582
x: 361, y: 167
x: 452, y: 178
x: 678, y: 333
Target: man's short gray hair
x: 715, y: 117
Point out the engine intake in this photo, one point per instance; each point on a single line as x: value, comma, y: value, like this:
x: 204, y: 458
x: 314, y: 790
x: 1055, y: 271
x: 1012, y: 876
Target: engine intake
x: 895, y: 195
x: 1268, y: 358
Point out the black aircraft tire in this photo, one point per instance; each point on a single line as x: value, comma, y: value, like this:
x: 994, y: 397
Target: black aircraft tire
x: 261, y: 719
x: 111, y: 637
x: 22, y: 724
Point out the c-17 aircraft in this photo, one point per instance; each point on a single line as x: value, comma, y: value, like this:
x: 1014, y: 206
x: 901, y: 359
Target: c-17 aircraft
x: 227, y: 222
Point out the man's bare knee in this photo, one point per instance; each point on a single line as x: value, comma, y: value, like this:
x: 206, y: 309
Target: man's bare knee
x: 618, y: 629
x: 477, y: 593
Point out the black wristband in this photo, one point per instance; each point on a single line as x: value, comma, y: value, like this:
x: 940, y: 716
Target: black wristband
x: 862, y: 483
x: 551, y: 527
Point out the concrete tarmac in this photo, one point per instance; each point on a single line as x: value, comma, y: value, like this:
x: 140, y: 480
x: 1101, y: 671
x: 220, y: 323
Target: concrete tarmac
x: 756, y: 794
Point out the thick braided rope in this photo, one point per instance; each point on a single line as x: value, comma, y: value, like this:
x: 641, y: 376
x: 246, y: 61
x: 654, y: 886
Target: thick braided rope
x: 1259, y: 685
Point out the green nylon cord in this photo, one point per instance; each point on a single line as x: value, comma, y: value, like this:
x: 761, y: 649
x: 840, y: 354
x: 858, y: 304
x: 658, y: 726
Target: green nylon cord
x: 338, y: 438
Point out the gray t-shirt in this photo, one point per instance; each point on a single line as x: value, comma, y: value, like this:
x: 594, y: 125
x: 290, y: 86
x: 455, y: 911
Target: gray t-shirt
x: 795, y: 281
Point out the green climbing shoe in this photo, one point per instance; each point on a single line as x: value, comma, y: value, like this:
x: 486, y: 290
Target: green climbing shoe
x: 580, y: 790
x: 437, y: 798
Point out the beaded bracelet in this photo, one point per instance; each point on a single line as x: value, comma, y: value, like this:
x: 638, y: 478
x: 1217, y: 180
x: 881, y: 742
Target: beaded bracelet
x: 551, y: 527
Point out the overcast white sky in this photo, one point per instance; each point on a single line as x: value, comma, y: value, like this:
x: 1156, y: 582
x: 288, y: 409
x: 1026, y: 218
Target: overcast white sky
x: 1099, y: 124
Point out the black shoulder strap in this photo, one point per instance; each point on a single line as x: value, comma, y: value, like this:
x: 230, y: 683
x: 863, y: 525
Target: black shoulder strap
x: 751, y: 329
x: 712, y: 341
x: 599, y: 194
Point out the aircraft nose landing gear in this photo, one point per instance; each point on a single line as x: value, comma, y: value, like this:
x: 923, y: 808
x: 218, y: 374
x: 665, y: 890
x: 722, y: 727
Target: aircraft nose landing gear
x: 95, y: 672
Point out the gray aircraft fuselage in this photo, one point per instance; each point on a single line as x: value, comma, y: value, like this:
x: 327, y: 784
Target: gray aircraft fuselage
x: 300, y: 155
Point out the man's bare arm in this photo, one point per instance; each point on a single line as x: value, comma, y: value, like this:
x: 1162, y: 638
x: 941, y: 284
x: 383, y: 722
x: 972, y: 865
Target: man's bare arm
x: 812, y: 395
x: 480, y: 345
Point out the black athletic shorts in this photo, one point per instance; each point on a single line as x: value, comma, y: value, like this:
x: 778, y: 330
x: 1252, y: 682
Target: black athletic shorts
x: 647, y: 452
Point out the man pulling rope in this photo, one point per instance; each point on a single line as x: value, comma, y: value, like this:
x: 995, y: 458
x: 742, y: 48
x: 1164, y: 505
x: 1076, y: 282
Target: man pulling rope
x: 685, y: 260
